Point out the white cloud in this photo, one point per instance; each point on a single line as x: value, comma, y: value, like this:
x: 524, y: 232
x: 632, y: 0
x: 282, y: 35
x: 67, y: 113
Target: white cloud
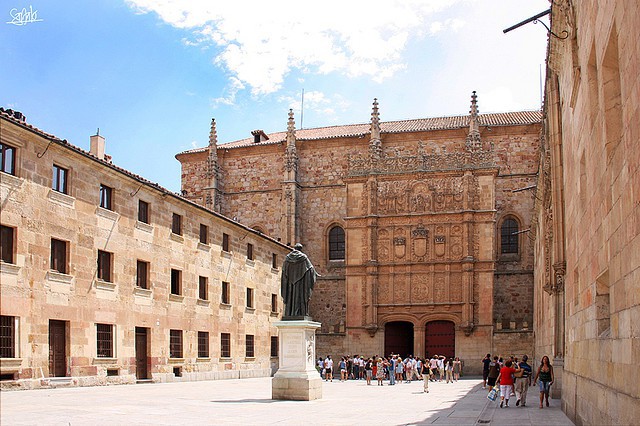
x: 262, y: 42
x: 317, y: 102
x: 229, y: 98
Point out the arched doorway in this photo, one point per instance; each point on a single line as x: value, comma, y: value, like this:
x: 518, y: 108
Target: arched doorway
x: 440, y: 338
x: 398, y: 338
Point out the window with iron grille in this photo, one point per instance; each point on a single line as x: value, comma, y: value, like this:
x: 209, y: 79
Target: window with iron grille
x: 176, y: 224
x: 225, y: 242
x: 225, y: 345
x: 274, y: 261
x: 336, y: 243
x: 203, y: 344
x: 250, y: 251
x: 7, y: 336
x: 59, y: 256
x: 249, y: 297
x: 274, y: 302
x: 249, y: 340
x: 106, y: 197
x: 104, y: 266
x: 509, y: 236
x: 60, y: 175
x: 142, y: 274
x: 225, y: 299
x: 7, y: 159
x: 143, y: 211
x: 203, y: 288
x: 274, y: 345
x: 204, y: 234
x: 104, y: 339
x: 6, y: 244
x: 175, y: 343
x: 176, y: 281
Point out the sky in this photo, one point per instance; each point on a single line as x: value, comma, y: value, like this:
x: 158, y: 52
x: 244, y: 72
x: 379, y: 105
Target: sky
x: 150, y: 74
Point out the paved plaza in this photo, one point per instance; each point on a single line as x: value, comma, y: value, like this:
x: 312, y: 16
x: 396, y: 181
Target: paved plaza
x: 248, y: 402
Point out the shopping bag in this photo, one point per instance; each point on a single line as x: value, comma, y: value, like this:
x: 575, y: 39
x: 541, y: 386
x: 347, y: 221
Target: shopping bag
x: 494, y: 393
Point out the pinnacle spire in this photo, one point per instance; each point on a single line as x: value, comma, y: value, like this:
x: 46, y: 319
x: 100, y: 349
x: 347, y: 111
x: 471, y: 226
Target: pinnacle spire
x: 213, y: 135
x: 291, y: 127
x: 375, y: 121
x: 473, y: 138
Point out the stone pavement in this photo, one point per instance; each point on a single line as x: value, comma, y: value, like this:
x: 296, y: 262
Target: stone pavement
x: 248, y: 402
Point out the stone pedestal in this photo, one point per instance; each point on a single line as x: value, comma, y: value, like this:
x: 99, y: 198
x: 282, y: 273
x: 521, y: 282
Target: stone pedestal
x: 297, y: 378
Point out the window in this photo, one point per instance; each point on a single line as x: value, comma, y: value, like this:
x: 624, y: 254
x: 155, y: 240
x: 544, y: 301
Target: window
x: 249, y: 251
x: 175, y: 343
x: 274, y: 302
x: 249, y: 347
x: 104, y: 265
x: 203, y: 344
x: 203, y: 288
x: 274, y: 345
x: 59, y: 256
x: 7, y: 336
x: 274, y: 261
x: 249, y: 297
x: 336, y: 243
x: 104, y: 339
x: 106, y: 197
x: 176, y: 281
x: 143, y: 211
x: 225, y: 293
x: 7, y: 159
x: 176, y: 224
x: 60, y: 179
x: 225, y: 242
x: 142, y: 274
x: 6, y: 244
x: 509, y: 236
x: 225, y: 345
x: 204, y: 234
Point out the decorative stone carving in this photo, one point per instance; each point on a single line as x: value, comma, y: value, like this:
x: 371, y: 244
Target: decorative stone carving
x: 439, y: 290
x: 419, y: 242
x: 419, y: 288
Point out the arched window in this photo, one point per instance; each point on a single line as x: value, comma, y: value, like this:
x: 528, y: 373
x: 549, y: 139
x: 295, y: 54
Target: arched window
x: 509, y: 236
x: 336, y: 243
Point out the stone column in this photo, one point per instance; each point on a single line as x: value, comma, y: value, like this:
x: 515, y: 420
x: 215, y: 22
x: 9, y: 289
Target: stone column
x: 418, y: 340
x: 297, y: 378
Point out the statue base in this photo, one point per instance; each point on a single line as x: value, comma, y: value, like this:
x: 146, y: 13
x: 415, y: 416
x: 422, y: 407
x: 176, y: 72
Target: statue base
x: 297, y: 378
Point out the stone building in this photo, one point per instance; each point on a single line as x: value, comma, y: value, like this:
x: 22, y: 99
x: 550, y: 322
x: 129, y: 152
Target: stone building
x: 586, y: 225
x: 418, y: 227
x: 106, y: 277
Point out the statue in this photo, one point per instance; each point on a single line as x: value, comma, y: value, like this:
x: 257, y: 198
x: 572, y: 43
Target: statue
x: 298, y: 279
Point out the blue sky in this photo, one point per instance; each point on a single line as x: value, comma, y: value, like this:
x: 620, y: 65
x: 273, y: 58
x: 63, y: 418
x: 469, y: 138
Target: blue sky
x: 152, y: 73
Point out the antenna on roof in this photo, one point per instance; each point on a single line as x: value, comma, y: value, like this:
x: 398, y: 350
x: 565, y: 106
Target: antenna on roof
x: 302, y: 108
x: 98, y: 131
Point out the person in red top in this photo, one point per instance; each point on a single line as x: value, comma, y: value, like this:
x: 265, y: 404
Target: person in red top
x: 505, y: 379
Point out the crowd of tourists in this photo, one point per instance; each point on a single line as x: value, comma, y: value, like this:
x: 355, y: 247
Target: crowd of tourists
x: 513, y: 378
x: 393, y: 369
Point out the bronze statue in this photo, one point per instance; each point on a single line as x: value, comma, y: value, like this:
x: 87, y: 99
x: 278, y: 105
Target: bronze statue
x: 297, y: 282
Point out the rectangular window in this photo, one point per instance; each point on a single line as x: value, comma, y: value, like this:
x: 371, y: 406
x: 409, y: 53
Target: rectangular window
x: 225, y: 242
x: 7, y: 159
x: 59, y: 256
x: 203, y: 344
x: 274, y: 302
x: 176, y: 281
x: 7, y: 336
x: 60, y: 175
x: 106, y: 197
x: 225, y: 293
x: 249, y: 347
x: 225, y: 345
x: 204, y: 234
x: 104, y: 266
x: 203, y: 288
x: 249, y: 297
x: 176, y: 224
x: 142, y: 274
x: 104, y: 339
x: 6, y: 244
x: 143, y: 211
x: 274, y: 261
x: 250, y: 251
x: 274, y: 345
x: 175, y: 343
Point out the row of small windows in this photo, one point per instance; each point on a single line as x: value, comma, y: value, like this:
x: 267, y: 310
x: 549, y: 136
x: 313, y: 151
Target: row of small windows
x: 105, y: 341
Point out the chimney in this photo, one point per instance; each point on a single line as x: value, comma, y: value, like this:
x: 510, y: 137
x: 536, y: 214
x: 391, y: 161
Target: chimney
x: 259, y: 136
x: 97, y: 145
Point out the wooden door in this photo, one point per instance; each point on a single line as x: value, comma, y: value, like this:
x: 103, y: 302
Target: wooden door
x: 142, y: 360
x: 398, y: 338
x: 57, y: 348
x: 440, y: 338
